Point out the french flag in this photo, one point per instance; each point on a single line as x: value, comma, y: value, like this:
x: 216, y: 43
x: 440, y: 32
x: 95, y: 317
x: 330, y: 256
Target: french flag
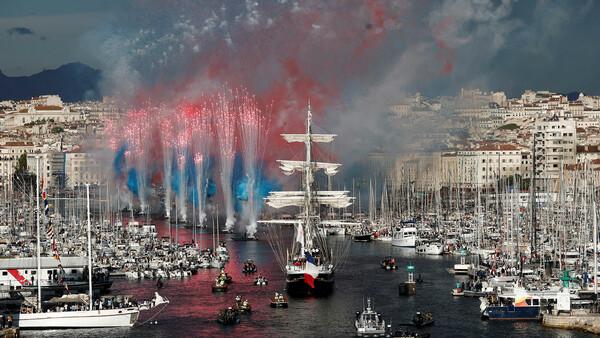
x: 311, y: 272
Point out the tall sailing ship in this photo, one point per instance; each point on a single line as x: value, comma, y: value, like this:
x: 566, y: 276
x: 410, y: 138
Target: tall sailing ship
x: 309, y: 264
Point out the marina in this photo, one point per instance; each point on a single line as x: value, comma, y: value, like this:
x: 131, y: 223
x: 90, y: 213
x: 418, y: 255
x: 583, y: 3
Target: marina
x: 193, y: 308
x: 294, y: 169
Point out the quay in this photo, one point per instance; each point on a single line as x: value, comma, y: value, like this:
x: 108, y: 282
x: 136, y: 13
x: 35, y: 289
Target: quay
x: 12, y: 332
x: 581, y: 320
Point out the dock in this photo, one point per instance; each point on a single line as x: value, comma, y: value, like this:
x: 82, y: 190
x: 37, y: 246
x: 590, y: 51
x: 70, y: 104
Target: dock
x: 12, y: 332
x: 575, y: 320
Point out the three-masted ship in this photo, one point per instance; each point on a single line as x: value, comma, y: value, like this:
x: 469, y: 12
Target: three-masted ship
x: 309, y: 247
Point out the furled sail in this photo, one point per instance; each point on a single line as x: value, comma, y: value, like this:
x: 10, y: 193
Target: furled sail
x: 288, y: 167
x: 336, y: 199
x: 322, y: 138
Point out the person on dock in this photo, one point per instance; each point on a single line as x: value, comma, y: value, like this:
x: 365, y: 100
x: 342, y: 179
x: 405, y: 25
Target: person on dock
x: 10, y: 321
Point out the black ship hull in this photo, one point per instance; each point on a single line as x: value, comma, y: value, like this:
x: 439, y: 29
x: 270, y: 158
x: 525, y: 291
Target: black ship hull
x: 296, y: 285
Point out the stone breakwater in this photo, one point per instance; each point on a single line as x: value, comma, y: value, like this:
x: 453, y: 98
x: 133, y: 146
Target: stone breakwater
x: 576, y: 320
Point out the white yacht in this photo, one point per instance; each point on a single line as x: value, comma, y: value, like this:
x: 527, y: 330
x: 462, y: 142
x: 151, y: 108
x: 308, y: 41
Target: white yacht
x: 429, y: 248
x: 405, y: 237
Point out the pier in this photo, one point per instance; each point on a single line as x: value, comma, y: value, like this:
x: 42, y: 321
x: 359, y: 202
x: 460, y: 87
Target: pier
x: 575, y: 320
x: 11, y: 332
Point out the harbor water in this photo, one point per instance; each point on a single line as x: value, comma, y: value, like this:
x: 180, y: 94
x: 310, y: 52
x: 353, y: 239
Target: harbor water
x: 193, y: 307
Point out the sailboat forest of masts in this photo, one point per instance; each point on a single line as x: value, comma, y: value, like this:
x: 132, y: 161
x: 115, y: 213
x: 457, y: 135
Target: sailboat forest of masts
x: 87, y: 316
x: 307, y: 242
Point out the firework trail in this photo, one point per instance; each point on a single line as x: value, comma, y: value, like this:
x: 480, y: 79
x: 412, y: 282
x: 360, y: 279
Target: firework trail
x: 138, y: 135
x: 224, y: 115
x: 182, y: 141
x: 254, y: 129
x: 167, y: 137
x: 201, y: 137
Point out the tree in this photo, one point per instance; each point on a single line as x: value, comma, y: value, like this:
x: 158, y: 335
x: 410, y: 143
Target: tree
x: 21, y: 163
x: 510, y: 126
x: 57, y: 130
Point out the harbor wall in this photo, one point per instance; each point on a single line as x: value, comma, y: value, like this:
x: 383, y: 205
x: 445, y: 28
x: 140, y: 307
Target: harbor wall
x: 589, y: 322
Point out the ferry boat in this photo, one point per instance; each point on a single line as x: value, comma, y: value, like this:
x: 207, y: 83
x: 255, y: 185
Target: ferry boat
x: 298, y: 261
x: 516, y: 305
x: 369, y: 323
x: 405, y: 237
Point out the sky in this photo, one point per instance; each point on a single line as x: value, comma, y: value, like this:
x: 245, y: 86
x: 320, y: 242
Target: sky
x: 494, y: 45
x: 352, y: 59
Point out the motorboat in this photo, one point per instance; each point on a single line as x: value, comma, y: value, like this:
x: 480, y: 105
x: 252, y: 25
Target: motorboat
x: 389, y: 263
x: 421, y: 319
x: 260, y: 280
x: 243, y: 307
x: 405, y: 237
x: 369, y: 323
x: 278, y: 301
x: 249, y: 267
x: 228, y: 316
x: 429, y: 248
x: 219, y: 285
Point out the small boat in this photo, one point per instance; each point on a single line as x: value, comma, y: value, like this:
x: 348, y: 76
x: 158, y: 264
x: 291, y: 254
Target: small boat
x: 228, y: 316
x: 245, y: 237
x: 458, y: 292
x: 225, y: 277
x: 249, y: 267
x: 362, y: 236
x: 429, y: 248
x: 243, y: 307
x: 389, y: 263
x: 278, y: 301
x: 423, y: 319
x: 407, y: 333
x: 469, y: 293
x: 219, y: 286
x: 260, y: 280
x: 369, y: 323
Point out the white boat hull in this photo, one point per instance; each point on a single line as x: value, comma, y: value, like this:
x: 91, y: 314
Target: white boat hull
x: 78, y: 319
x: 407, y: 242
x: 430, y: 249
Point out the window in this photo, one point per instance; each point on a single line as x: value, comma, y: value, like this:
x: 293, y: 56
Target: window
x: 74, y: 271
x: 4, y: 273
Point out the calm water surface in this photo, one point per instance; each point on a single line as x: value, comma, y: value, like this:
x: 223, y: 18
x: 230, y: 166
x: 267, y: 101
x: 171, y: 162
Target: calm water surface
x: 193, y: 308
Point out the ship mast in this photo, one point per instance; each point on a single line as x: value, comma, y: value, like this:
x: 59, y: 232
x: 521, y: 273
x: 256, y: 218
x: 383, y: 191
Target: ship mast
x: 308, y: 179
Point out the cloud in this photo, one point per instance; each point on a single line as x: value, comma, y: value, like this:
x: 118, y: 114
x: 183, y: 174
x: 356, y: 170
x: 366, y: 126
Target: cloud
x: 19, y: 30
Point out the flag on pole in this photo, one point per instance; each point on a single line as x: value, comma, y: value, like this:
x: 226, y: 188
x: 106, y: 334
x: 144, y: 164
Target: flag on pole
x: 311, y: 272
x: 300, y: 235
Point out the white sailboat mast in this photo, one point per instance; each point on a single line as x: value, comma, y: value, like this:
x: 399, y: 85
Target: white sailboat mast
x: 39, y: 259
x: 89, y: 233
